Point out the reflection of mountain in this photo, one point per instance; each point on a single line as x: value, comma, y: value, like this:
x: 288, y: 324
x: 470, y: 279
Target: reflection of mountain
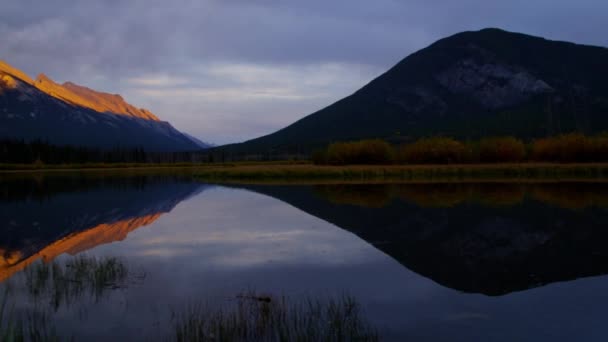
x: 78, y: 221
x: 73, y: 244
x: 473, y: 245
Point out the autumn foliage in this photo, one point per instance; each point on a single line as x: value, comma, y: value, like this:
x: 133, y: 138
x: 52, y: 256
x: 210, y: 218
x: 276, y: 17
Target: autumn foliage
x: 570, y: 148
x: 358, y: 152
x: 567, y: 148
x: 436, y: 150
x: 501, y: 150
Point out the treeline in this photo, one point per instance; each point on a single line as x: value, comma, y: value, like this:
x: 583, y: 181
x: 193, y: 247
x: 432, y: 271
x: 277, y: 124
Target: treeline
x: 42, y: 152
x: 568, y: 148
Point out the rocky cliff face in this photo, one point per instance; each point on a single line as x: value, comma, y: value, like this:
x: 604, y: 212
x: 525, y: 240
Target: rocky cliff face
x: 492, y: 85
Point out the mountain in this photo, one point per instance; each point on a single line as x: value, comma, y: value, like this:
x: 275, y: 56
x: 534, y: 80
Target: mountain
x: 70, y: 114
x: 469, y: 85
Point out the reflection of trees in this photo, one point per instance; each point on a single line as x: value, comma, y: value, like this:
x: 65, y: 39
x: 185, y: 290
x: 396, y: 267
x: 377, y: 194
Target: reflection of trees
x: 446, y: 195
x: 42, y: 186
x: 572, y: 196
x: 363, y: 195
x: 433, y: 195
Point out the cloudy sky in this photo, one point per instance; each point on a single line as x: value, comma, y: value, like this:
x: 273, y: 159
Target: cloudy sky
x: 230, y: 70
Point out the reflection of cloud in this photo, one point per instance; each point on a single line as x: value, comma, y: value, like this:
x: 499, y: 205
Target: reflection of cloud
x: 239, y: 248
x: 241, y: 229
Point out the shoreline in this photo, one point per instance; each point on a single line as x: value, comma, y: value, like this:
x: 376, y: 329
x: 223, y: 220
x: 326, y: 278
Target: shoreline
x: 455, y: 172
x: 285, y: 171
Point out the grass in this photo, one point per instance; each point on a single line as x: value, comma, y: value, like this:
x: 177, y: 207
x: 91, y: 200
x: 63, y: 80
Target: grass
x: 63, y: 283
x: 36, y: 326
x: 402, y: 172
x: 51, y: 286
x: 32, y: 167
x: 251, y: 317
x: 7, y: 167
x: 302, y: 171
x: 266, y: 318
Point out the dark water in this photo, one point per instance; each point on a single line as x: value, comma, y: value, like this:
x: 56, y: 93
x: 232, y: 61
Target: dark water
x: 426, y: 262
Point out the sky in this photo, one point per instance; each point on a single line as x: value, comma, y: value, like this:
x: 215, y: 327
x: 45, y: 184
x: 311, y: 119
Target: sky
x: 231, y: 70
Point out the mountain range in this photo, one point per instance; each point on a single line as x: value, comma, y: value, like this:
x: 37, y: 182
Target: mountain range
x: 470, y: 85
x: 70, y: 114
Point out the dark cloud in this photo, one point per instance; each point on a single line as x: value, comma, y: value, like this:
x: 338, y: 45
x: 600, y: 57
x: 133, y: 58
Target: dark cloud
x: 109, y: 44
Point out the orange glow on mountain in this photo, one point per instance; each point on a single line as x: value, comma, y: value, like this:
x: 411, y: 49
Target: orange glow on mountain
x: 75, y: 94
x: 105, y: 102
x: 88, y: 98
x: 13, y: 262
x: 5, y: 68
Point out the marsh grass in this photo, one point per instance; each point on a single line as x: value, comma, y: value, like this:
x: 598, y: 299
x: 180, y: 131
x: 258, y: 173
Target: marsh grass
x: 267, y: 318
x: 50, y: 286
x: 10, y: 329
x: 63, y: 283
x: 453, y: 172
x: 35, y: 326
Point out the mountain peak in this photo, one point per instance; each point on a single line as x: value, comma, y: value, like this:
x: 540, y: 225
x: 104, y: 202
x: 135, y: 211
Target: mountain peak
x: 43, y: 78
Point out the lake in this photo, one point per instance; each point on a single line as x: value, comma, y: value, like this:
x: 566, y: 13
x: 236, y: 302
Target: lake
x: 100, y: 257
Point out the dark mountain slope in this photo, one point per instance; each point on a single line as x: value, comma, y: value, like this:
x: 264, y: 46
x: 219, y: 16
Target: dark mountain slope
x: 472, y: 84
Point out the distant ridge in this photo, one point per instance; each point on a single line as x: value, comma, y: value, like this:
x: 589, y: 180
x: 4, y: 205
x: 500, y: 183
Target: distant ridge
x: 70, y: 114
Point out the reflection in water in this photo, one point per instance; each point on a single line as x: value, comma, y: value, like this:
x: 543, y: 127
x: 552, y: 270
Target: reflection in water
x: 445, y: 195
x: 493, y: 239
x: 28, y: 302
x: 63, y: 283
x: 78, y: 214
x: 50, y: 287
x: 269, y: 318
x: 486, y: 238
x: 14, y: 261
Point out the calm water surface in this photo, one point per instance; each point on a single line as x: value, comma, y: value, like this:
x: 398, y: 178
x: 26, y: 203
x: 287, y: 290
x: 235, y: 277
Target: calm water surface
x: 426, y: 262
